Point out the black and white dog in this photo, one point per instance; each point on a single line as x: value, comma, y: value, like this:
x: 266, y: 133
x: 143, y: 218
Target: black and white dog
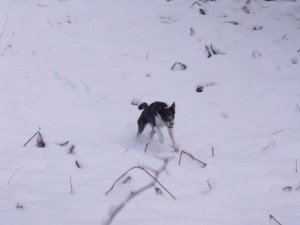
x: 158, y: 115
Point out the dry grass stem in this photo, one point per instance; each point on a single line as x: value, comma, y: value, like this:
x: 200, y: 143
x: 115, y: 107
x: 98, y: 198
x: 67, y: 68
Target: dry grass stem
x: 193, y: 157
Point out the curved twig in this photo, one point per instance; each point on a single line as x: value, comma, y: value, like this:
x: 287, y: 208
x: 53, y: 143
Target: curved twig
x: 193, y: 157
x: 14, y: 175
x: 149, y: 174
x: 4, y: 27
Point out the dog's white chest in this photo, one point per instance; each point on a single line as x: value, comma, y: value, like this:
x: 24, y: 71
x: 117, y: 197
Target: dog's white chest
x: 158, y: 122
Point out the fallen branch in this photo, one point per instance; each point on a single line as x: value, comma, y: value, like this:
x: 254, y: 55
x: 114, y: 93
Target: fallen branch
x: 14, y: 175
x: 273, y: 218
x: 194, y: 158
x: 132, y: 195
x: 143, y: 169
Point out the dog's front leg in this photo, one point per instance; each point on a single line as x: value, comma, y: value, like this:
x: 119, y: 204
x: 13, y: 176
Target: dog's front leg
x: 175, y: 145
x: 160, y: 134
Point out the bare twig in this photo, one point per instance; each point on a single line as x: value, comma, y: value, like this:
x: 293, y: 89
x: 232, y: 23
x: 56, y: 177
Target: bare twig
x: 158, y: 191
x: 196, y: 3
x: 287, y: 189
x: 64, y: 143
x: 208, y: 51
x: 132, y: 195
x: 246, y: 7
x: 127, y: 180
x: 284, y: 36
x: 143, y: 169
x: 296, y: 166
x: 71, y: 186
x: 4, y: 27
x: 277, y: 132
x: 192, y: 31
x: 232, y: 22
x: 212, y: 152
x: 71, y: 150
x: 271, y: 144
x: 146, y: 147
x: 194, y: 158
x: 77, y: 164
x: 14, y: 175
x: 31, y: 138
x: 273, y: 218
x: 209, y: 184
x: 178, y: 66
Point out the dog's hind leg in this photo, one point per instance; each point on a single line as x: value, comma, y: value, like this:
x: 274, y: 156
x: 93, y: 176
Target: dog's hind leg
x: 141, y: 125
x: 152, y: 133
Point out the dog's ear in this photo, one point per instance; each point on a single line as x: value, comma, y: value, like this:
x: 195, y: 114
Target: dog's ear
x: 173, y: 105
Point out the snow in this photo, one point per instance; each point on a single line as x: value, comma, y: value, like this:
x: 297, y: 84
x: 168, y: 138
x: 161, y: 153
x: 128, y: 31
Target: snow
x: 73, y: 69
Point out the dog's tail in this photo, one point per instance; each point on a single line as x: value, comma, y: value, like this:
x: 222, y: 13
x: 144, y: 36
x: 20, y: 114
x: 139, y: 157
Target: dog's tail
x: 142, y: 106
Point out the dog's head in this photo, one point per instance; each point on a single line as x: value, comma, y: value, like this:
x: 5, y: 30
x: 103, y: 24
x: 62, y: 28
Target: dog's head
x: 168, y: 115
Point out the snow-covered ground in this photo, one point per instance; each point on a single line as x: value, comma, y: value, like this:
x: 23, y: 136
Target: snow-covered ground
x: 73, y: 68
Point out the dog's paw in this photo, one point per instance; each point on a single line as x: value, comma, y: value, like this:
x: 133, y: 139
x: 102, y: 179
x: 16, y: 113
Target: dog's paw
x: 176, y: 147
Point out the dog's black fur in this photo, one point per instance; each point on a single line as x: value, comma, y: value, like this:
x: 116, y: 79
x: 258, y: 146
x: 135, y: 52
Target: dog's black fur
x: 158, y: 115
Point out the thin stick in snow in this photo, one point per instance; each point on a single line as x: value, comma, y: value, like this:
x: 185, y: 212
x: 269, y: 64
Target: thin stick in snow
x: 208, y: 184
x: 132, y: 195
x: 193, y: 157
x: 196, y: 3
x: 212, y: 152
x: 4, y: 27
x: 31, y: 138
x: 143, y: 169
x: 77, y: 164
x: 208, y: 51
x: 271, y: 144
x: 277, y: 132
x: 14, y: 175
x: 146, y: 147
x: 273, y: 218
x: 71, y: 186
x: 296, y: 166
